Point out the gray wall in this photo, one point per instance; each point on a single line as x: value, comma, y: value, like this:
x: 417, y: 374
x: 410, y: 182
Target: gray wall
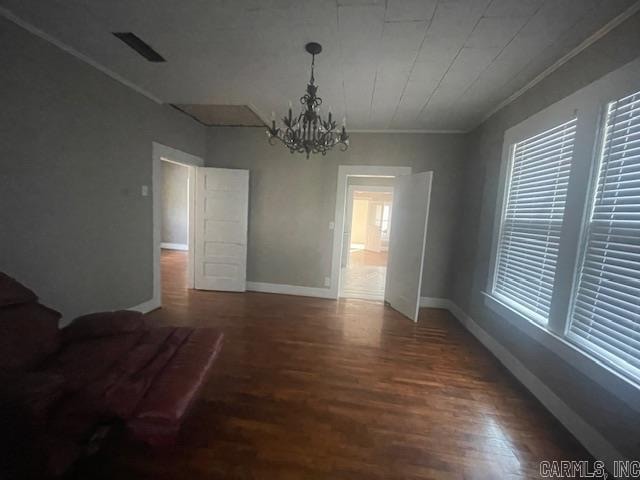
x: 292, y: 199
x: 175, y: 203
x: 75, y: 148
x: 618, y: 422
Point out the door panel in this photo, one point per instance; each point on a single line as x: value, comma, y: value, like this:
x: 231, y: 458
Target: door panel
x: 221, y: 216
x: 407, y: 241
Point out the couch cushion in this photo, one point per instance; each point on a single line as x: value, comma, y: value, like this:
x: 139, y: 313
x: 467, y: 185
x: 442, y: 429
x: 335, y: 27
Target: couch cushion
x: 162, y: 410
x: 28, y: 334
x: 13, y: 292
x: 84, y: 361
x: 135, y: 374
x: 117, y: 392
x: 103, y: 324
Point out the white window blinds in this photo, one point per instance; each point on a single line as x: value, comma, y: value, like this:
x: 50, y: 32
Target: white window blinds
x: 530, y: 232
x: 606, y: 309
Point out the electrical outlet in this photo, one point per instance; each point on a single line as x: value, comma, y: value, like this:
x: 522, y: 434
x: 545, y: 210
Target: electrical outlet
x: 327, y: 281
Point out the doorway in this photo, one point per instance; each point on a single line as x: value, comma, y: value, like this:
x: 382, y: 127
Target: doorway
x: 175, y: 205
x: 173, y: 214
x: 367, y: 180
x: 367, y: 233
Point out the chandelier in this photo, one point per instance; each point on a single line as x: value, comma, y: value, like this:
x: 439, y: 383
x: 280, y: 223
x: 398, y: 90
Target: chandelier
x: 309, y: 132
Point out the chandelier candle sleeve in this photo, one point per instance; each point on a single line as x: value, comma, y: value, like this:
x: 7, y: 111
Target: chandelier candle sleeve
x: 308, y: 132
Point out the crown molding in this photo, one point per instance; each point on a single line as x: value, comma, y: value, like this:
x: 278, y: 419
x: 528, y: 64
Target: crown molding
x: 597, y: 35
x: 72, y: 51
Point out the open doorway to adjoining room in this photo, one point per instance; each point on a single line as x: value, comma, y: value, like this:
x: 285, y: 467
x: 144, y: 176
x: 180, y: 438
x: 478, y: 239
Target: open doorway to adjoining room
x: 174, y: 174
x: 367, y: 232
x: 175, y: 205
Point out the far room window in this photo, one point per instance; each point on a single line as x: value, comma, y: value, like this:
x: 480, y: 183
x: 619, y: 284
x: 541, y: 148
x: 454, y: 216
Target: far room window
x: 535, y: 194
x: 605, y: 317
x: 385, y: 220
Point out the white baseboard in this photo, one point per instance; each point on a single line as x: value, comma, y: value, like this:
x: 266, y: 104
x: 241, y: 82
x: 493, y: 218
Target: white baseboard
x: 590, y: 438
x: 146, y: 307
x: 289, y: 289
x: 435, y: 302
x: 174, y: 246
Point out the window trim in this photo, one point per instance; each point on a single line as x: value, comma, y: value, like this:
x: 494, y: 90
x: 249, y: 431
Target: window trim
x: 526, y: 129
x: 589, y: 104
x: 513, y: 137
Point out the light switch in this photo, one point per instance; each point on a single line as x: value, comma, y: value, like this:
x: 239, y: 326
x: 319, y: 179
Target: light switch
x: 332, y: 225
x: 145, y: 190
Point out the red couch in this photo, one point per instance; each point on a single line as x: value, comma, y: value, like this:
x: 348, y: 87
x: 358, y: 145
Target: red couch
x: 61, y: 389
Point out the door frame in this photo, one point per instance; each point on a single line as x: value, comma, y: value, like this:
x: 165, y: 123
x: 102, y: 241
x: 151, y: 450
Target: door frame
x: 162, y: 152
x: 344, y: 172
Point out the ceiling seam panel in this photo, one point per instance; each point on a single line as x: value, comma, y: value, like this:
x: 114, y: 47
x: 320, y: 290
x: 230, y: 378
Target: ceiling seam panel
x: 413, y: 65
x: 375, y: 78
x: 506, y: 82
x: 454, y: 59
x: 475, y: 80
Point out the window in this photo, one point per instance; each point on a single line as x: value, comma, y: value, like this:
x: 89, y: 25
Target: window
x: 566, y: 241
x: 386, y: 221
x: 383, y: 219
x: 605, y: 317
x: 529, y: 237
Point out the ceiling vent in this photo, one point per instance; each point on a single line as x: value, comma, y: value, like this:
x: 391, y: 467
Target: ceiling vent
x: 140, y: 46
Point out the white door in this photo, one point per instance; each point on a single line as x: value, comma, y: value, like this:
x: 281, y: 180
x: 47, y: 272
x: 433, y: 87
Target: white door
x: 221, y: 211
x: 411, y: 194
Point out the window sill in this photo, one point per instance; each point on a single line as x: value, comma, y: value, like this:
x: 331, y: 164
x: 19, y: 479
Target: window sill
x: 621, y: 386
x: 516, y: 317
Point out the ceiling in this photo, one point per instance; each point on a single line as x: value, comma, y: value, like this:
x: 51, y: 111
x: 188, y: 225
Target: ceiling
x: 386, y: 65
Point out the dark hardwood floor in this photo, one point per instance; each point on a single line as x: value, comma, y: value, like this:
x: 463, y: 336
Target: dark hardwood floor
x: 308, y: 388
